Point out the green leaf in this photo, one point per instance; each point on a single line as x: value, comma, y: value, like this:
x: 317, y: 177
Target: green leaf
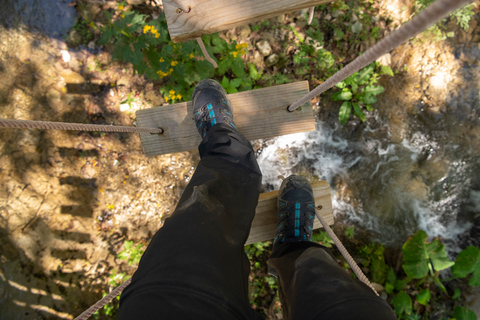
x: 401, y: 284
x: 462, y: 313
x: 225, y: 82
x: 402, y: 303
x: 128, y: 245
x: 357, y: 110
x: 389, y: 288
x: 457, y: 294
x: 424, y: 297
x: 344, y: 113
x: 341, y: 84
x: 235, y: 83
x: 468, y: 261
x: 375, y: 90
x: 386, y: 70
x: 357, y: 27
x: 365, y: 74
x: 367, y: 99
x: 342, y: 95
x: 238, y: 68
x: 417, y: 254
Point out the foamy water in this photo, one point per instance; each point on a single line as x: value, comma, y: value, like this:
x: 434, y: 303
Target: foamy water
x: 391, y: 202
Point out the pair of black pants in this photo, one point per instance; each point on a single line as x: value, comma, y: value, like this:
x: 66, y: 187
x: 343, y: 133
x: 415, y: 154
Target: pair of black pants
x: 196, y: 268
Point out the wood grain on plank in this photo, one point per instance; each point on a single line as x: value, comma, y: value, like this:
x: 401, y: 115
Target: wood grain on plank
x: 265, y: 222
x: 258, y: 114
x: 209, y: 16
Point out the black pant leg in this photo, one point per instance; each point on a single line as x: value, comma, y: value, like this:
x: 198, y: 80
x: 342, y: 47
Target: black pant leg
x: 195, y: 266
x: 313, y: 286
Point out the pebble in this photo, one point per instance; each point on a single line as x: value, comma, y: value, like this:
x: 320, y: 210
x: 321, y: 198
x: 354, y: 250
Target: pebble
x: 264, y: 47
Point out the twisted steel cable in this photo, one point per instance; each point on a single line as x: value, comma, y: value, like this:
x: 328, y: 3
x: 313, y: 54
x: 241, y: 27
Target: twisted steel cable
x: 48, y: 125
x: 422, y: 21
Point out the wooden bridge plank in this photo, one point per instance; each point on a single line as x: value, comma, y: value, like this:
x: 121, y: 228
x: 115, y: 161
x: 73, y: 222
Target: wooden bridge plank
x: 209, y: 16
x: 265, y: 222
x: 259, y: 114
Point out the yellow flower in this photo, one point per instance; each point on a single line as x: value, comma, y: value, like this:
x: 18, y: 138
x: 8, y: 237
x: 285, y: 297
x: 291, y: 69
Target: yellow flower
x: 162, y: 60
x: 157, y: 35
x: 120, y: 7
x: 235, y: 53
x: 122, y: 15
x: 244, y: 45
x: 171, y: 70
x: 172, y: 92
x: 166, y: 98
x: 242, y: 52
x: 146, y: 29
x: 179, y: 97
x: 174, y: 63
x: 238, y: 46
x: 192, y: 56
x: 92, y: 24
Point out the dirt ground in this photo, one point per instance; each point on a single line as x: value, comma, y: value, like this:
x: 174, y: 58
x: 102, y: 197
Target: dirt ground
x: 69, y: 200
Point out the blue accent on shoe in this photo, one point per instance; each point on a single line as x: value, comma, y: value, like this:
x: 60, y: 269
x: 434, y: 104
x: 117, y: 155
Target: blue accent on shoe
x: 296, y: 208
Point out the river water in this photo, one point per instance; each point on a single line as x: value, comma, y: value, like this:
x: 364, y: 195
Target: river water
x: 413, y: 165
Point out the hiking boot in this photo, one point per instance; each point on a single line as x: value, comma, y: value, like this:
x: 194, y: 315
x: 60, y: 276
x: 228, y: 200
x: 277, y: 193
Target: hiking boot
x: 296, y: 211
x: 211, y: 106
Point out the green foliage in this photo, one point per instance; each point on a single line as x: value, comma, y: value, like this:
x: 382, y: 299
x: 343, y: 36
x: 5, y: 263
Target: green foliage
x: 420, y: 256
x: 146, y: 44
x: 350, y: 232
x: 85, y: 29
x: 402, y: 303
x: 424, y: 297
x: 438, y: 31
x: 462, y: 313
x: 373, y: 258
x: 468, y: 262
x: 131, y: 253
x: 359, y: 92
x: 323, y: 238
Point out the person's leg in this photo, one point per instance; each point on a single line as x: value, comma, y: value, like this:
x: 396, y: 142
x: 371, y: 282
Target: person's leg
x: 195, y: 266
x: 311, y: 283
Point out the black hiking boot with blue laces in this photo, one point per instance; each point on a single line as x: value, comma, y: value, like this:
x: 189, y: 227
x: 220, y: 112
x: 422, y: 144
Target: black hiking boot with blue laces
x: 296, y: 211
x: 211, y: 106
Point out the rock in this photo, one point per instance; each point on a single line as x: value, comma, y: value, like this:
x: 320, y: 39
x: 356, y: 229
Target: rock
x: 384, y: 295
x: 264, y: 47
x: 378, y: 287
x: 258, y: 60
x: 244, y: 31
x: 88, y: 11
x: 272, y: 60
x: 314, y: 43
x: 385, y: 60
x: 154, y: 97
x: 328, y: 17
x: 135, y: 2
x: 72, y: 77
x: 335, y: 14
x: 302, y: 23
x: 280, y: 19
x: 74, y: 38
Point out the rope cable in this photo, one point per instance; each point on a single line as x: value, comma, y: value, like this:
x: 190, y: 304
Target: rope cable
x: 102, y: 302
x: 48, y: 125
x: 422, y: 21
x: 205, y: 52
x: 356, y: 269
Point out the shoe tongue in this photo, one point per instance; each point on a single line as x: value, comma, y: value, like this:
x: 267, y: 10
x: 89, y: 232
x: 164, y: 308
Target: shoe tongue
x: 298, y: 195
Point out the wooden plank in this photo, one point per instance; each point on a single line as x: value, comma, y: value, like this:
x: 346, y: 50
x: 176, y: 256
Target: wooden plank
x: 265, y: 222
x: 209, y: 16
x: 259, y: 114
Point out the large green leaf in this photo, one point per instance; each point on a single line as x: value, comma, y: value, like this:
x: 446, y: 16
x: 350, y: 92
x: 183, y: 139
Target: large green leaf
x: 418, y: 254
x: 357, y: 110
x: 365, y: 74
x: 402, y: 303
x: 342, y: 95
x: 375, y: 90
x: 424, y: 297
x: 367, y: 98
x: 468, y: 261
x: 462, y: 313
x: 344, y: 113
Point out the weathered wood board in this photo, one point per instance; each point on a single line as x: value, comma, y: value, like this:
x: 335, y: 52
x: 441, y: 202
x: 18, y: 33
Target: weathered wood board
x: 265, y: 222
x: 209, y: 16
x: 258, y: 114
